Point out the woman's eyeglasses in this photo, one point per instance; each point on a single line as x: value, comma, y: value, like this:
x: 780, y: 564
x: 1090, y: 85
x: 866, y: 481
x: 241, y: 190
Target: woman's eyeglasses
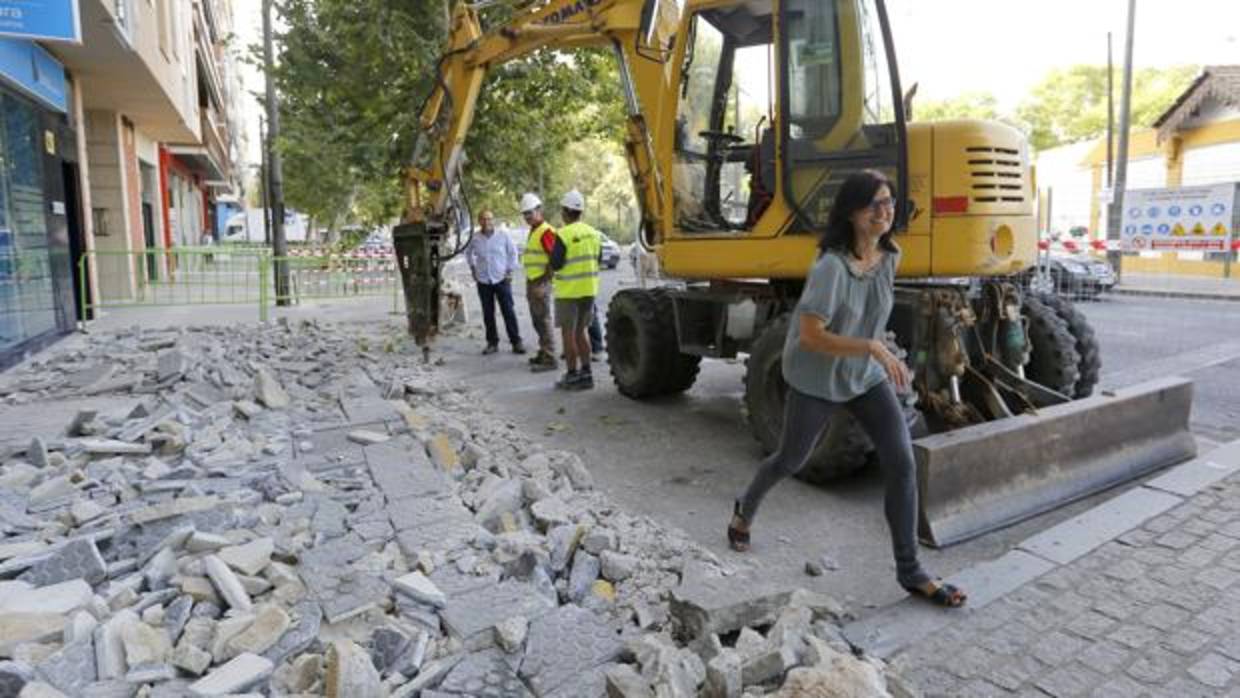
x: 878, y: 206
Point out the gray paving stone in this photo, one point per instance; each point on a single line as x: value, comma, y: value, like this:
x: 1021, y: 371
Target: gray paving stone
x: 1214, y: 670
x: 565, y: 643
x: 343, y: 592
x: 368, y: 409
x: 330, y: 448
x: 13, y: 676
x: 440, y: 536
x: 71, y: 668
x: 401, y: 472
x: 388, y: 647
x: 307, y: 619
x: 420, y: 512
x: 480, y: 610
x: 339, y: 552
x: 487, y: 674
x: 79, y: 559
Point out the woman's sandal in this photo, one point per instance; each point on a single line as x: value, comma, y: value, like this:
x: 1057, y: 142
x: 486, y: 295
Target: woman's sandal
x: 738, y: 539
x: 944, y: 594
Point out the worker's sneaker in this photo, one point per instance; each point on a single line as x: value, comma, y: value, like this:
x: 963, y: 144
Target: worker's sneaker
x: 491, y: 349
x: 596, y: 355
x: 585, y: 381
x: 518, y: 348
x: 543, y: 364
x: 568, y: 381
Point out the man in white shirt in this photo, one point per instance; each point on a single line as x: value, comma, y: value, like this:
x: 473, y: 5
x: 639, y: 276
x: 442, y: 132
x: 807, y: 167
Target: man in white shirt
x: 492, y: 259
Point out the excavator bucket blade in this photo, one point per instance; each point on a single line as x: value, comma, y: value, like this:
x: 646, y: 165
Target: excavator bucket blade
x: 984, y: 477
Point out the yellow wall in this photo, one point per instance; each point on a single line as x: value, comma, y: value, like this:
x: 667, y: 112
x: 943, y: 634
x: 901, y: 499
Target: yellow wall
x: 1170, y: 263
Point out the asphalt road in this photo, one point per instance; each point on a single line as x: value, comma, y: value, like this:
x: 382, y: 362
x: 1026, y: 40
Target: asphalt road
x: 681, y: 460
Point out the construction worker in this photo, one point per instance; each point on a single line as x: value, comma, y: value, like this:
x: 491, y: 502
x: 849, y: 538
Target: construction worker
x: 536, y: 261
x: 574, y: 258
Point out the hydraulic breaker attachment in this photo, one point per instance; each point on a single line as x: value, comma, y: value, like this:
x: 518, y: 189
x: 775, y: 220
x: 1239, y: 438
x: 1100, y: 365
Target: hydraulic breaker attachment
x: 980, y: 478
x: 417, y: 248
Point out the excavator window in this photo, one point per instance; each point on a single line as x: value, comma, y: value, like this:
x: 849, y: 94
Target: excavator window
x: 840, y: 99
x: 726, y: 100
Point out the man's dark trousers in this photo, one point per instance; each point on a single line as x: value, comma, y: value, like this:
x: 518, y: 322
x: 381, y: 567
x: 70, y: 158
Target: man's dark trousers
x: 488, y: 294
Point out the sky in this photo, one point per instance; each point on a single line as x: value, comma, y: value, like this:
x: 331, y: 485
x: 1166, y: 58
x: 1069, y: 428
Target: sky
x: 1006, y: 46
x: 999, y: 46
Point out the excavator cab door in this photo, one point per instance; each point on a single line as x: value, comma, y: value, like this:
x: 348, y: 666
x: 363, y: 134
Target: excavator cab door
x: 840, y: 103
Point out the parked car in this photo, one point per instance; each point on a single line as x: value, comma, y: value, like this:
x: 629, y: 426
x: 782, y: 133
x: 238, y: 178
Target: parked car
x: 1075, y: 276
x: 609, y: 253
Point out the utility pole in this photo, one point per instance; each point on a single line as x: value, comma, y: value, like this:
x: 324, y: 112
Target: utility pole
x: 1110, y: 116
x: 264, y: 182
x: 276, y: 177
x: 1115, y: 215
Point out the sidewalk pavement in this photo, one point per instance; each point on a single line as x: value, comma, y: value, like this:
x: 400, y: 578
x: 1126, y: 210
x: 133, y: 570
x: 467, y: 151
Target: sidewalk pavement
x: 1137, y: 597
x: 1180, y: 286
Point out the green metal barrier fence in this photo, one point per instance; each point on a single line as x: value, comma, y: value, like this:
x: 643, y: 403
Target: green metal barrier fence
x: 230, y: 275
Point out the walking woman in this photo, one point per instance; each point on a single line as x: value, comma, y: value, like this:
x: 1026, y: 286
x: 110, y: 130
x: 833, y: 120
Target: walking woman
x: 834, y: 358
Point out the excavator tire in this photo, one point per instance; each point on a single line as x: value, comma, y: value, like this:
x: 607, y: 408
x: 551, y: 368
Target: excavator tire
x: 641, y: 345
x: 1090, y: 366
x: 843, y: 448
x: 1054, y: 361
x: 681, y: 369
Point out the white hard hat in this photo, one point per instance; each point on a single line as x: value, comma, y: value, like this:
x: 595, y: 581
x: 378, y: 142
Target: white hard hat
x: 529, y: 202
x: 573, y: 201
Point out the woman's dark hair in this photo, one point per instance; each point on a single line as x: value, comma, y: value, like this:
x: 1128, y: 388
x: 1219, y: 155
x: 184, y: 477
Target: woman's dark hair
x: 856, y: 193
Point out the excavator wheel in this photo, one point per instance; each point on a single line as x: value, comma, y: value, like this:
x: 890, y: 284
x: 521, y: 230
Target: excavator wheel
x: 1090, y: 366
x: 1054, y: 361
x: 843, y: 448
x: 642, y: 349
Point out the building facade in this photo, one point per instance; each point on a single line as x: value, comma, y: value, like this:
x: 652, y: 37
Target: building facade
x: 38, y: 200
x: 135, y: 156
x: 1195, y: 142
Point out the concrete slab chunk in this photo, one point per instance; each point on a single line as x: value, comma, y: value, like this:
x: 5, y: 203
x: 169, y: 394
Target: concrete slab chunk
x: 483, y: 608
x: 242, y: 672
x: 416, y: 586
x: 250, y: 558
x: 227, y: 584
x: 78, y: 559
x: 486, y: 674
x: 565, y: 643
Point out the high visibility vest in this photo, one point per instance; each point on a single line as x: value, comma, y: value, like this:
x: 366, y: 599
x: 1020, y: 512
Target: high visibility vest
x: 579, y: 276
x: 535, y: 258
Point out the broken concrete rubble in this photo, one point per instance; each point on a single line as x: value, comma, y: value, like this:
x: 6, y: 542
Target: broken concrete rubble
x: 271, y: 510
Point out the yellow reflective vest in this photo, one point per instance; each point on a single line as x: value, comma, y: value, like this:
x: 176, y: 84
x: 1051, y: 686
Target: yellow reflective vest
x: 578, y: 278
x: 535, y: 259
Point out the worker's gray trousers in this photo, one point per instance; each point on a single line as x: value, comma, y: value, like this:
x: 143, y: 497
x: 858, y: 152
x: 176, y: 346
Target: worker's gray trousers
x: 879, y: 413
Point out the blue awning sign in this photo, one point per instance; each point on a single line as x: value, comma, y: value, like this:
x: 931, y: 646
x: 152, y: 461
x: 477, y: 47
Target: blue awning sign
x: 44, y: 20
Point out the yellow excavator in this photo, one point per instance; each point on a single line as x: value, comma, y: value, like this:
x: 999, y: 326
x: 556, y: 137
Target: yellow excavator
x: 743, y: 116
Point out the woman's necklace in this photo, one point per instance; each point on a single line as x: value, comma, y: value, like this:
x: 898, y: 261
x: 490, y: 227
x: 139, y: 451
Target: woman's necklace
x: 866, y: 264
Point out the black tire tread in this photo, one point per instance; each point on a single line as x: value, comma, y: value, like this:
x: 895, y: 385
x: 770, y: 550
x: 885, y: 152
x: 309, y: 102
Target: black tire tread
x: 661, y: 369
x: 1090, y: 366
x: 1054, y: 361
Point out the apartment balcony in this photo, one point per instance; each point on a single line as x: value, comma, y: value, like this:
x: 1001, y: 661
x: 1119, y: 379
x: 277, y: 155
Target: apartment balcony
x: 210, y: 158
x: 122, y: 67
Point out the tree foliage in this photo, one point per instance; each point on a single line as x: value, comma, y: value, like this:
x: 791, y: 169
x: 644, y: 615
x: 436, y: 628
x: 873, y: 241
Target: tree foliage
x: 1070, y: 104
x: 967, y: 105
x: 352, y: 75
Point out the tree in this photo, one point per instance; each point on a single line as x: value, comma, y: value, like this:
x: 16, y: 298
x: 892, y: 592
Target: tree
x: 967, y: 105
x: 1070, y: 104
x: 352, y: 75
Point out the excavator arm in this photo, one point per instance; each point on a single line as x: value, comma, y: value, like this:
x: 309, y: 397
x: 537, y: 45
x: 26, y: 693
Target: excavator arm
x: 640, y: 34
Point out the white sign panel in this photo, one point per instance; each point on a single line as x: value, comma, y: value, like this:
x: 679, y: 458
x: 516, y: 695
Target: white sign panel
x: 1189, y: 218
